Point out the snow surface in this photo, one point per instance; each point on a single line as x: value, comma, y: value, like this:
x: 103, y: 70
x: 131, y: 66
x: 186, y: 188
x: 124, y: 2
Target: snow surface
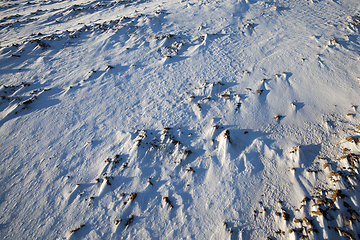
x: 199, y: 119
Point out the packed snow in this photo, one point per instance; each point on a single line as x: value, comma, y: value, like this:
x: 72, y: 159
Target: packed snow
x: 199, y: 119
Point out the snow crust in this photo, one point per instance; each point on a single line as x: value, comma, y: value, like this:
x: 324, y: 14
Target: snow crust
x: 199, y: 119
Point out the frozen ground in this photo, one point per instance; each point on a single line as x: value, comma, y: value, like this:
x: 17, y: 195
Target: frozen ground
x: 228, y: 119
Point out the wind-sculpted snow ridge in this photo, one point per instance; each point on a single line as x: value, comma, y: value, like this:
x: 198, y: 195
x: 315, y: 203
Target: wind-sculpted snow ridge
x: 180, y: 119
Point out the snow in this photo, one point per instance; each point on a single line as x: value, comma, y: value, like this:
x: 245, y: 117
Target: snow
x: 176, y: 119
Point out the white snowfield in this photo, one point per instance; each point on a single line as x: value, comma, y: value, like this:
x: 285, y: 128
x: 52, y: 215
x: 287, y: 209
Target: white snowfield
x: 199, y: 119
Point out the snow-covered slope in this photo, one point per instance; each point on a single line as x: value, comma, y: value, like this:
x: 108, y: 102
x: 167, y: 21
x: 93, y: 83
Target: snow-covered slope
x: 228, y: 119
